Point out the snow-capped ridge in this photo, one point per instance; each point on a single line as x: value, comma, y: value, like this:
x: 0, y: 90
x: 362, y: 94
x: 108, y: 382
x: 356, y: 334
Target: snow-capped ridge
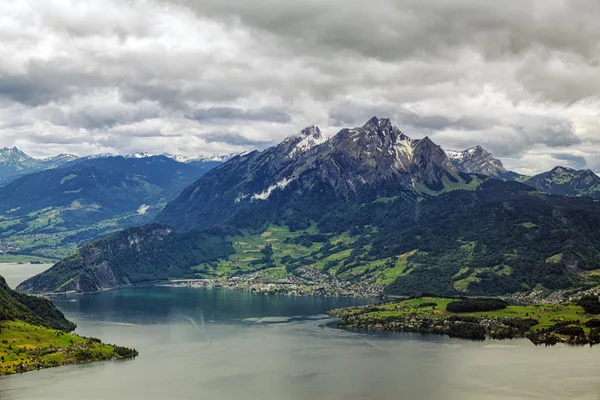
x: 139, y: 154
x: 15, y: 155
x: 310, y: 137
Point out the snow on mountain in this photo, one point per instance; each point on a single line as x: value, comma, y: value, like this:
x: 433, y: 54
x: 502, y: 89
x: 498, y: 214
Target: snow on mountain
x: 14, y: 155
x: 177, y: 157
x: 139, y: 154
x: 211, y: 158
x: 309, y: 138
x: 455, y: 155
x: 101, y: 155
x: 14, y: 163
x: 266, y: 193
x: 477, y: 160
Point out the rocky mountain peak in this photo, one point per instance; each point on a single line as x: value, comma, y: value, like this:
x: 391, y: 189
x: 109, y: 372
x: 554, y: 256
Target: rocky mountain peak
x: 14, y: 155
x: 560, y: 170
x: 307, y: 139
x: 477, y: 160
x: 381, y: 126
x: 312, y: 130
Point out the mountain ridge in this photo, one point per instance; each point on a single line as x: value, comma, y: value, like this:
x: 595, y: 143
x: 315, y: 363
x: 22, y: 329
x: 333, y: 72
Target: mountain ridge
x: 87, y: 198
x: 477, y: 160
x: 366, y: 211
x: 567, y: 182
x: 364, y: 161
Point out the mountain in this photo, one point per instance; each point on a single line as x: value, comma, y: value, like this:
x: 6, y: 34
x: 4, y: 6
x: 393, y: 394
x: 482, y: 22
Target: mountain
x: 14, y: 163
x: 366, y: 211
x: 560, y: 180
x: 376, y: 159
x: 33, y: 310
x: 502, y: 237
x: 567, y: 182
x: 151, y: 253
x: 88, y: 198
x: 477, y: 160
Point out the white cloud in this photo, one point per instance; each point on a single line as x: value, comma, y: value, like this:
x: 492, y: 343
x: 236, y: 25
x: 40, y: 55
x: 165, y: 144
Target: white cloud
x: 519, y: 77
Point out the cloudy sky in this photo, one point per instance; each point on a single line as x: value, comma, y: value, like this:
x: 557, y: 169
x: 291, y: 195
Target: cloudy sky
x: 521, y: 78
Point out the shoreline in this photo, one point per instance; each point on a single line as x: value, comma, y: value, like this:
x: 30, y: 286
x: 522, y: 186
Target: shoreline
x: 25, y: 348
x: 542, y: 324
x: 275, y: 288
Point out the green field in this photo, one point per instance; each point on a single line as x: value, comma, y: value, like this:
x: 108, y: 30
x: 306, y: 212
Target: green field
x: 546, y: 314
x: 45, y: 233
x: 25, y: 347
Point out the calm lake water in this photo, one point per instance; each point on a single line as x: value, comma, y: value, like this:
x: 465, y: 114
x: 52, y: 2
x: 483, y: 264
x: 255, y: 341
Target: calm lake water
x: 218, y: 344
x: 17, y: 273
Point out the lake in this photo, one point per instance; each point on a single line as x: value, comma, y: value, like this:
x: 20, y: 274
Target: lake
x: 220, y: 344
x: 15, y: 273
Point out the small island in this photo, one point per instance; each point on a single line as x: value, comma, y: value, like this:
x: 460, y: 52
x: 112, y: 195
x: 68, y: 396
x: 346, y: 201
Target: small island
x: 481, y: 318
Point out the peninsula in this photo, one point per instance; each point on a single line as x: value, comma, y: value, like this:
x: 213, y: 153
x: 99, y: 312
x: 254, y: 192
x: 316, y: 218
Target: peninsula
x: 480, y: 318
x: 34, y: 335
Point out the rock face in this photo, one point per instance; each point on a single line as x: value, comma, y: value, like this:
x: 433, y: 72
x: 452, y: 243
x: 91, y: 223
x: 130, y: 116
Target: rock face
x: 145, y: 254
x: 90, y: 269
x: 477, y: 160
x: 376, y: 159
x: 567, y: 182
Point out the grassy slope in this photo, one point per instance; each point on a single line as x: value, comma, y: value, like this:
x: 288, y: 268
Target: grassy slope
x: 248, y: 250
x: 248, y: 254
x: 25, y: 347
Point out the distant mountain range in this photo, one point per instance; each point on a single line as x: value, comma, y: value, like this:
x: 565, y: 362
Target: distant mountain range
x: 50, y: 212
x: 366, y: 210
x: 14, y: 163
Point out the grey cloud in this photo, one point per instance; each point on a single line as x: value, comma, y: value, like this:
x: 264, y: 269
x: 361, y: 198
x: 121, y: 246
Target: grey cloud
x: 235, y: 139
x: 121, y: 76
x: 395, y: 30
x: 513, y: 138
x: 573, y: 161
x: 527, y: 34
x: 348, y: 114
x: 45, y: 81
x: 270, y: 114
x: 553, y: 133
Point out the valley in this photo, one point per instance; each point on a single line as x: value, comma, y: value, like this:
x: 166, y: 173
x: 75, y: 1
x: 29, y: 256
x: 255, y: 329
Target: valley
x: 50, y: 212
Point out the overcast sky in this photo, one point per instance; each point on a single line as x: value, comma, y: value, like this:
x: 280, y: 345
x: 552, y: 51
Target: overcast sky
x: 521, y: 78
